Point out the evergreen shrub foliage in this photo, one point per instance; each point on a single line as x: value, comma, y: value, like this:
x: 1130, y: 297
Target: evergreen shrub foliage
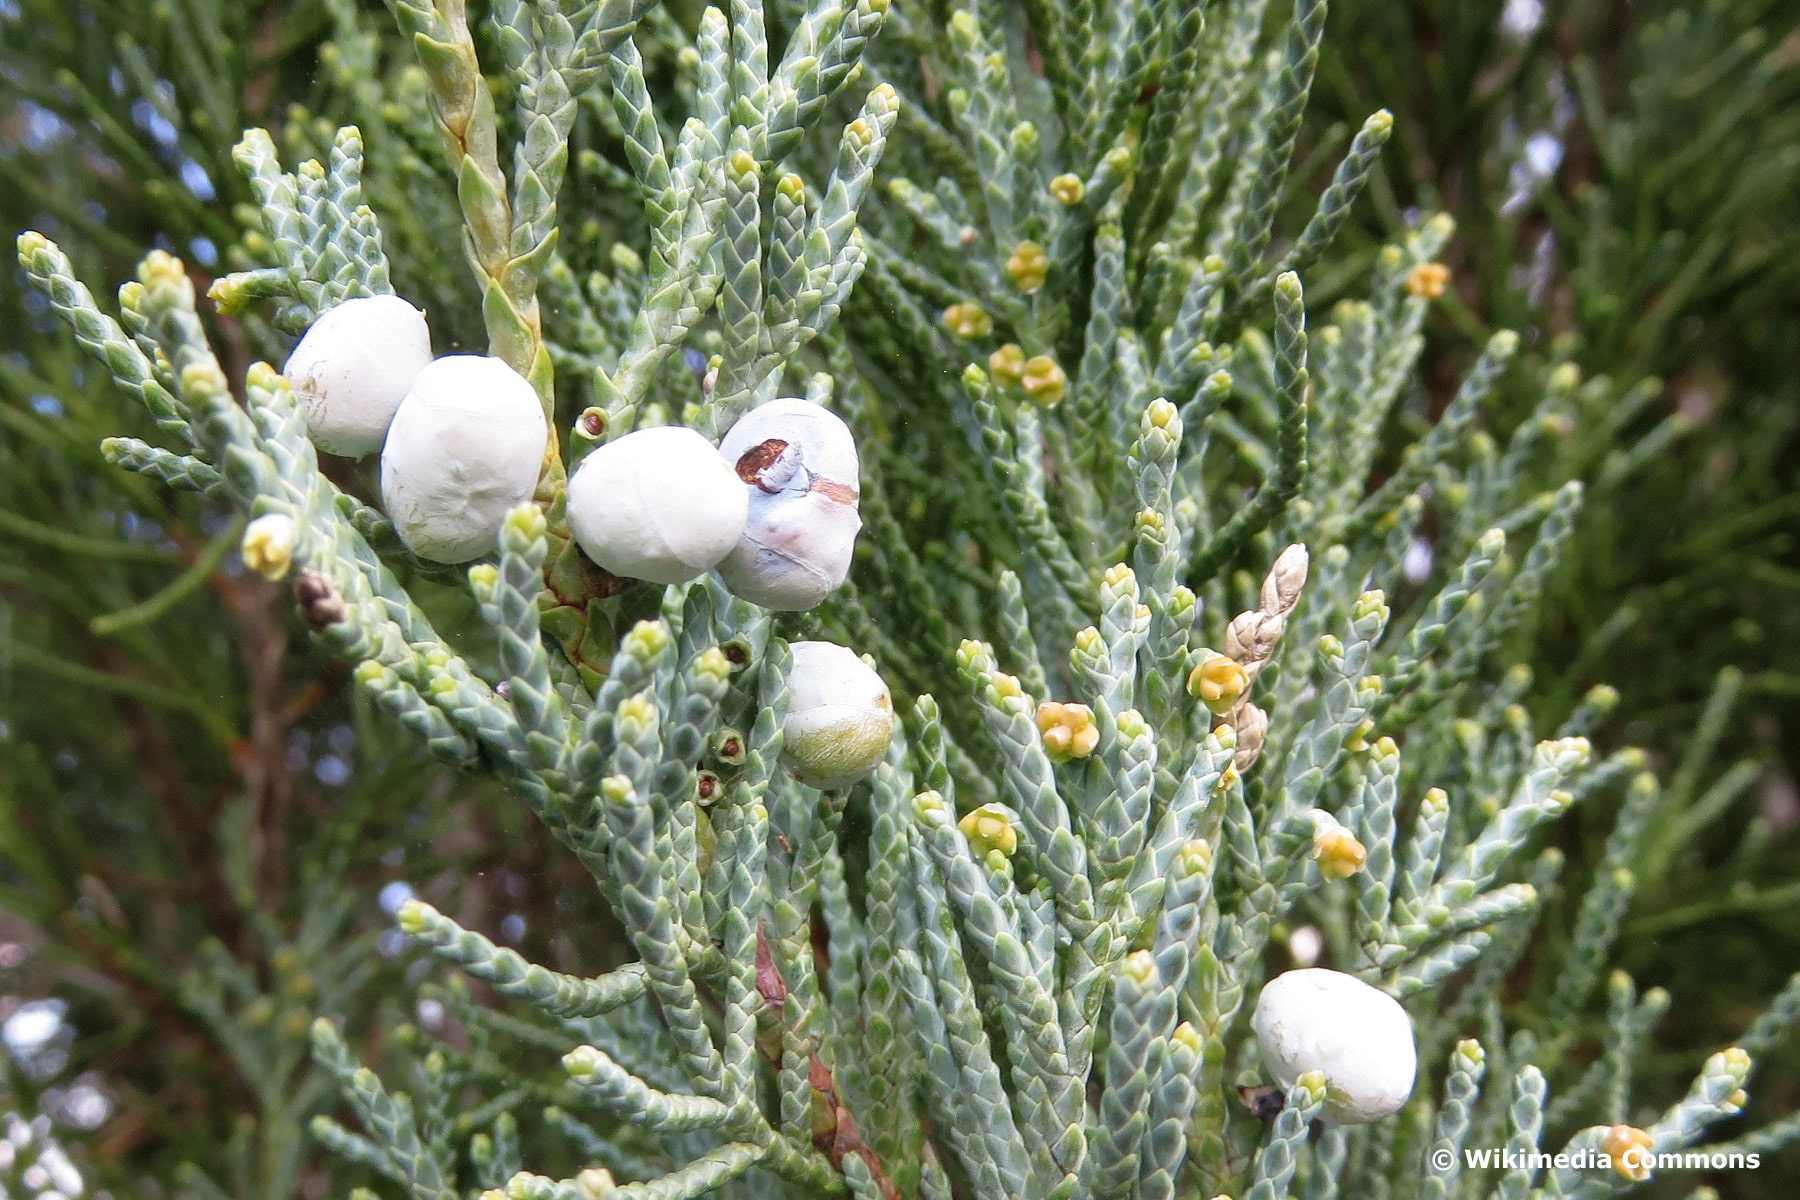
x: 1210, y: 655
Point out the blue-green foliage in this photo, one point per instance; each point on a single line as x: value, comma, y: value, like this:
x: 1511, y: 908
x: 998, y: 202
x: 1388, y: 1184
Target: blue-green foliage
x: 1032, y: 256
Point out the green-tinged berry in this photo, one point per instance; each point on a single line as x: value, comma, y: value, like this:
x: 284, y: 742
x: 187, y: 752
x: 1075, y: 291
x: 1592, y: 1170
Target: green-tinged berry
x: 840, y: 717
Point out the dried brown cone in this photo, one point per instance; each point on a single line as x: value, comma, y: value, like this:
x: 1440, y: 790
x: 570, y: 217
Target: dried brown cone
x: 1252, y: 634
x: 1251, y: 638
x: 1252, y: 726
x: 1282, y: 586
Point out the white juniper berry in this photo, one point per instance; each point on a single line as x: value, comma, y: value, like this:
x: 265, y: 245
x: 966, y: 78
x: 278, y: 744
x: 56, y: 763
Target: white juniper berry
x: 463, y: 449
x: 659, y: 504
x: 840, y: 718
x: 352, y: 369
x: 801, y: 475
x: 1356, y: 1036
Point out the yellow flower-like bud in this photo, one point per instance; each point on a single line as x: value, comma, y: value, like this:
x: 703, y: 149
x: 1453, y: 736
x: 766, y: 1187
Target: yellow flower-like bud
x: 1025, y: 139
x: 637, y: 710
x: 484, y: 578
x: 968, y: 320
x: 1370, y: 604
x: 1043, y: 380
x: 646, y: 640
x: 1338, y: 853
x: 1119, y: 577
x: 1195, y: 857
x: 162, y: 269
x: 929, y: 803
x: 1068, y: 190
x: 1629, y: 1149
x: 1217, y: 683
x: 268, y: 546
x: 990, y: 828
x: 1069, y: 730
x: 1428, y: 280
x: 1007, y: 365
x: 712, y: 664
x: 526, y: 521
x: 1003, y: 687
x: 229, y: 294
x: 1028, y: 266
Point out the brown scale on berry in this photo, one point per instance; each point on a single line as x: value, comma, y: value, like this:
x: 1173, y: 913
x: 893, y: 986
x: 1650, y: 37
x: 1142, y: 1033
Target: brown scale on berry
x: 752, y: 463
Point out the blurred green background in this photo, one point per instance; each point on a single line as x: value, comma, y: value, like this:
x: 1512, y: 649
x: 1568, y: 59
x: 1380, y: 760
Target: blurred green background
x: 200, y: 825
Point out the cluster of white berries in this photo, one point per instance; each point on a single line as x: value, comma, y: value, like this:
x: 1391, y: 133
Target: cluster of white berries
x: 772, y: 508
x: 462, y: 438
x: 1355, y: 1035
